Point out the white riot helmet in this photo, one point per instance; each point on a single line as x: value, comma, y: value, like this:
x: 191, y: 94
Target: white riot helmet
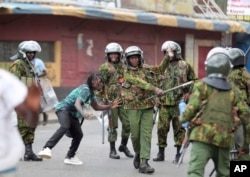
x: 26, y: 46
x: 175, y: 47
x: 237, y: 57
x: 113, y: 47
x: 134, y: 50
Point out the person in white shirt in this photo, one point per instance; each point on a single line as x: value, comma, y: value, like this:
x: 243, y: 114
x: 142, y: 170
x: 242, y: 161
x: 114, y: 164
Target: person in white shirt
x: 14, y: 96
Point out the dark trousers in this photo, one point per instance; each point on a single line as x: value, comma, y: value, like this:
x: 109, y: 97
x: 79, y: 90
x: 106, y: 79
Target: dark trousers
x: 67, y: 123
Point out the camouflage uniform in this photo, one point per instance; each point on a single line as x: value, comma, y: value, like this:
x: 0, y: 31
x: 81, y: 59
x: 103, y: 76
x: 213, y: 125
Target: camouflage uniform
x: 113, y: 78
x: 138, y: 86
x: 22, y: 70
x: 241, y: 78
x: 209, y: 132
x: 176, y: 74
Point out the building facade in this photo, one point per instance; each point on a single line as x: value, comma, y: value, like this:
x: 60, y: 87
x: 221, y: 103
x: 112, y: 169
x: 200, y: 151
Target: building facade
x: 73, y: 42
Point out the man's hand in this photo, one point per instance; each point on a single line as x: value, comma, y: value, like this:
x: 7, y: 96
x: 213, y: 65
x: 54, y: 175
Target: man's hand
x: 87, y: 115
x: 116, y: 103
x: 159, y: 92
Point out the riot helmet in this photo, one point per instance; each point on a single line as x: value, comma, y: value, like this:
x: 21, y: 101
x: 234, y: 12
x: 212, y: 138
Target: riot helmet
x: 19, y: 53
x: 174, y: 46
x: 237, y: 57
x: 31, y: 46
x: 218, y: 67
x: 131, y: 51
x: 113, y: 47
x: 26, y: 46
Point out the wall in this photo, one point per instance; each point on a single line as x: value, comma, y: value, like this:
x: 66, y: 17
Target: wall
x: 78, y: 58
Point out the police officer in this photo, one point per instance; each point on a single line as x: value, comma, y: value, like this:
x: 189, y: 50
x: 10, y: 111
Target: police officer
x: 177, y: 73
x: 112, y: 73
x: 24, y: 70
x: 210, y: 114
x: 240, y: 77
x: 137, y: 87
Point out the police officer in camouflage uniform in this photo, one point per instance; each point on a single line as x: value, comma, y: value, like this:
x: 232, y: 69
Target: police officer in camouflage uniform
x: 137, y: 87
x: 112, y: 73
x: 24, y: 70
x: 177, y: 73
x: 240, y: 77
x: 210, y: 114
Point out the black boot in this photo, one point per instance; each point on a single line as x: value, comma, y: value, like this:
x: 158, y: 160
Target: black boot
x: 160, y: 156
x: 137, y: 161
x: 178, y: 155
x: 145, y: 167
x: 29, y: 154
x: 123, y: 148
x: 113, y: 154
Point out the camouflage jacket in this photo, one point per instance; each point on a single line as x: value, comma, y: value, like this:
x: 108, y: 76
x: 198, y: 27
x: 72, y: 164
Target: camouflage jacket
x: 176, y: 74
x: 213, y: 133
x: 140, y: 84
x: 113, y: 78
x: 23, y: 71
x: 241, y: 79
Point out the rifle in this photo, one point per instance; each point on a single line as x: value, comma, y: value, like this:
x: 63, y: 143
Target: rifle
x: 184, y: 146
x: 174, y: 88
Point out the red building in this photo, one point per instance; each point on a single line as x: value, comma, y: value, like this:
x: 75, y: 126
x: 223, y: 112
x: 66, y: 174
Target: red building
x: 73, y: 37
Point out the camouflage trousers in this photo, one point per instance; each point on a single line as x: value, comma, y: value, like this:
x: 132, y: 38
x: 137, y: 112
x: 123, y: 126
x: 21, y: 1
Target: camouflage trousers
x: 26, y: 132
x: 197, y: 162
x: 168, y: 114
x: 120, y: 113
x: 141, y: 122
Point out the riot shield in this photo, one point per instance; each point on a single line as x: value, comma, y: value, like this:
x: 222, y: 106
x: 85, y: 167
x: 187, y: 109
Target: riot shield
x: 48, y: 95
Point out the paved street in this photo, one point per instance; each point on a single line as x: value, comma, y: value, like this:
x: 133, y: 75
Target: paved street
x: 95, y: 156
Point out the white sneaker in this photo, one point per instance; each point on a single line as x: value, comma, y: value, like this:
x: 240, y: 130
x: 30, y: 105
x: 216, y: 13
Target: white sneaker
x: 45, y: 153
x: 73, y: 161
